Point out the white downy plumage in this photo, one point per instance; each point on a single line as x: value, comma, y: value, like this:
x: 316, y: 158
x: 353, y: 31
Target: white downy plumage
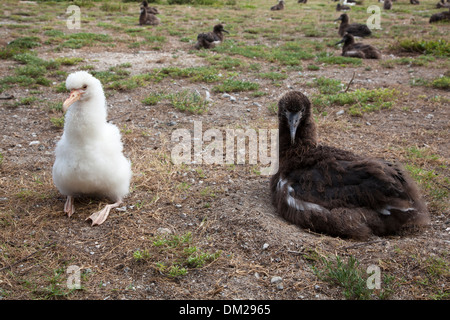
x: 89, y: 158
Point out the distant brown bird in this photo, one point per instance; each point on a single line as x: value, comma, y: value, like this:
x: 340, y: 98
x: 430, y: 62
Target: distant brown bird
x: 333, y: 191
x: 356, y: 29
x: 279, y: 6
x: 440, y: 16
x: 387, y: 5
x: 341, y: 7
x: 414, y: 1
x: 152, y: 10
x: 147, y: 18
x: 211, y: 39
x: 302, y: 1
x: 442, y: 4
x: 358, y: 50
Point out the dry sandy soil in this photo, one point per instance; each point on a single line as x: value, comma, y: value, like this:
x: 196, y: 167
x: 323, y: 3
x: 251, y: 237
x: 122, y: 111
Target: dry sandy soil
x: 225, y: 208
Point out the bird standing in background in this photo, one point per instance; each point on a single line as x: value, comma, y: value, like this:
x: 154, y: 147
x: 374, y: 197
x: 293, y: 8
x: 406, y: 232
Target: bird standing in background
x: 356, y: 29
x: 279, y: 6
x: 88, y: 157
x: 210, y: 39
x: 147, y: 18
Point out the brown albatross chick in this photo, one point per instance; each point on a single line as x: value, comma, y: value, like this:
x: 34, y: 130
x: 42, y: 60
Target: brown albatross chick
x: 210, y: 39
x: 333, y: 191
x: 358, y: 49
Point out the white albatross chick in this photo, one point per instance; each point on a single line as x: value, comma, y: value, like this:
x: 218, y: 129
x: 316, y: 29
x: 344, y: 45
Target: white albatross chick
x: 88, y: 157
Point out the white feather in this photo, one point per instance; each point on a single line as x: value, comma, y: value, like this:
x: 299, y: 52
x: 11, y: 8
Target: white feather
x: 283, y: 186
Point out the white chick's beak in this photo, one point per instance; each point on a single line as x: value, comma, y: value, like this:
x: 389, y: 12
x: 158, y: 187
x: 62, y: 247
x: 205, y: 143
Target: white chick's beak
x: 75, y: 95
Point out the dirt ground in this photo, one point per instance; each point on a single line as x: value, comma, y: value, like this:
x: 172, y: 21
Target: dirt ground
x: 225, y: 208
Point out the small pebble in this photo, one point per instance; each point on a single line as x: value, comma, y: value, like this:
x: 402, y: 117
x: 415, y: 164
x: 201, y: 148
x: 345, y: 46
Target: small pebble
x: 276, y: 279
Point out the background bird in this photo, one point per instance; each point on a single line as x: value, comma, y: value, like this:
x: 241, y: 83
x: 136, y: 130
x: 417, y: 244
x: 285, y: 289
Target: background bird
x: 147, y: 18
x: 358, y: 49
x: 387, y: 5
x: 340, y: 7
x: 442, y: 4
x: 356, y: 29
x: 89, y: 159
x: 152, y: 10
x: 279, y: 6
x: 440, y: 16
x: 333, y: 191
x: 210, y: 39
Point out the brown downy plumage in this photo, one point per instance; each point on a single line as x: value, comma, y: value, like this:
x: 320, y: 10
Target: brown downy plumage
x: 340, y: 7
x: 210, y: 39
x: 356, y: 29
x: 333, y: 191
x: 358, y: 49
x: 442, y: 4
x: 152, y: 10
x: 387, y: 5
x: 279, y: 6
x: 146, y: 18
x: 441, y: 16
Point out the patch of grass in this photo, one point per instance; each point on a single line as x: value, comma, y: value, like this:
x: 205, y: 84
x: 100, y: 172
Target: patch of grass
x: 57, y: 288
x: 226, y: 62
x: 437, y: 267
x: 312, y: 67
x: 287, y: 54
x: 113, y: 7
x: 31, y: 59
x: 152, y: 99
x: 139, y: 255
x: 130, y: 83
x: 422, y: 60
x: 189, y: 101
x: 339, y: 60
x: 19, y: 45
x: 155, y: 38
x: 234, y: 85
x: 414, y: 153
x: 273, y: 108
x: 58, y: 122
x: 360, y: 100
x: 433, y: 183
x: 438, y: 48
x: 69, y: 61
x: 441, y: 83
x: 183, y: 254
x: 438, y: 83
x: 327, y: 85
x: 194, y: 74
x: 33, y: 72
x: 274, y: 76
x: 346, y: 275
x: 82, y: 39
x: 27, y: 101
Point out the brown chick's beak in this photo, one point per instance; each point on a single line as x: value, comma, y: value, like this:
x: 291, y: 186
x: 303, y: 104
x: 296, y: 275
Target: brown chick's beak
x: 75, y: 95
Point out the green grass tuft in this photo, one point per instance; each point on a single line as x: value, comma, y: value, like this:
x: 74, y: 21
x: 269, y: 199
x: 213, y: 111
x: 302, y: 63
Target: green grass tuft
x: 233, y: 85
